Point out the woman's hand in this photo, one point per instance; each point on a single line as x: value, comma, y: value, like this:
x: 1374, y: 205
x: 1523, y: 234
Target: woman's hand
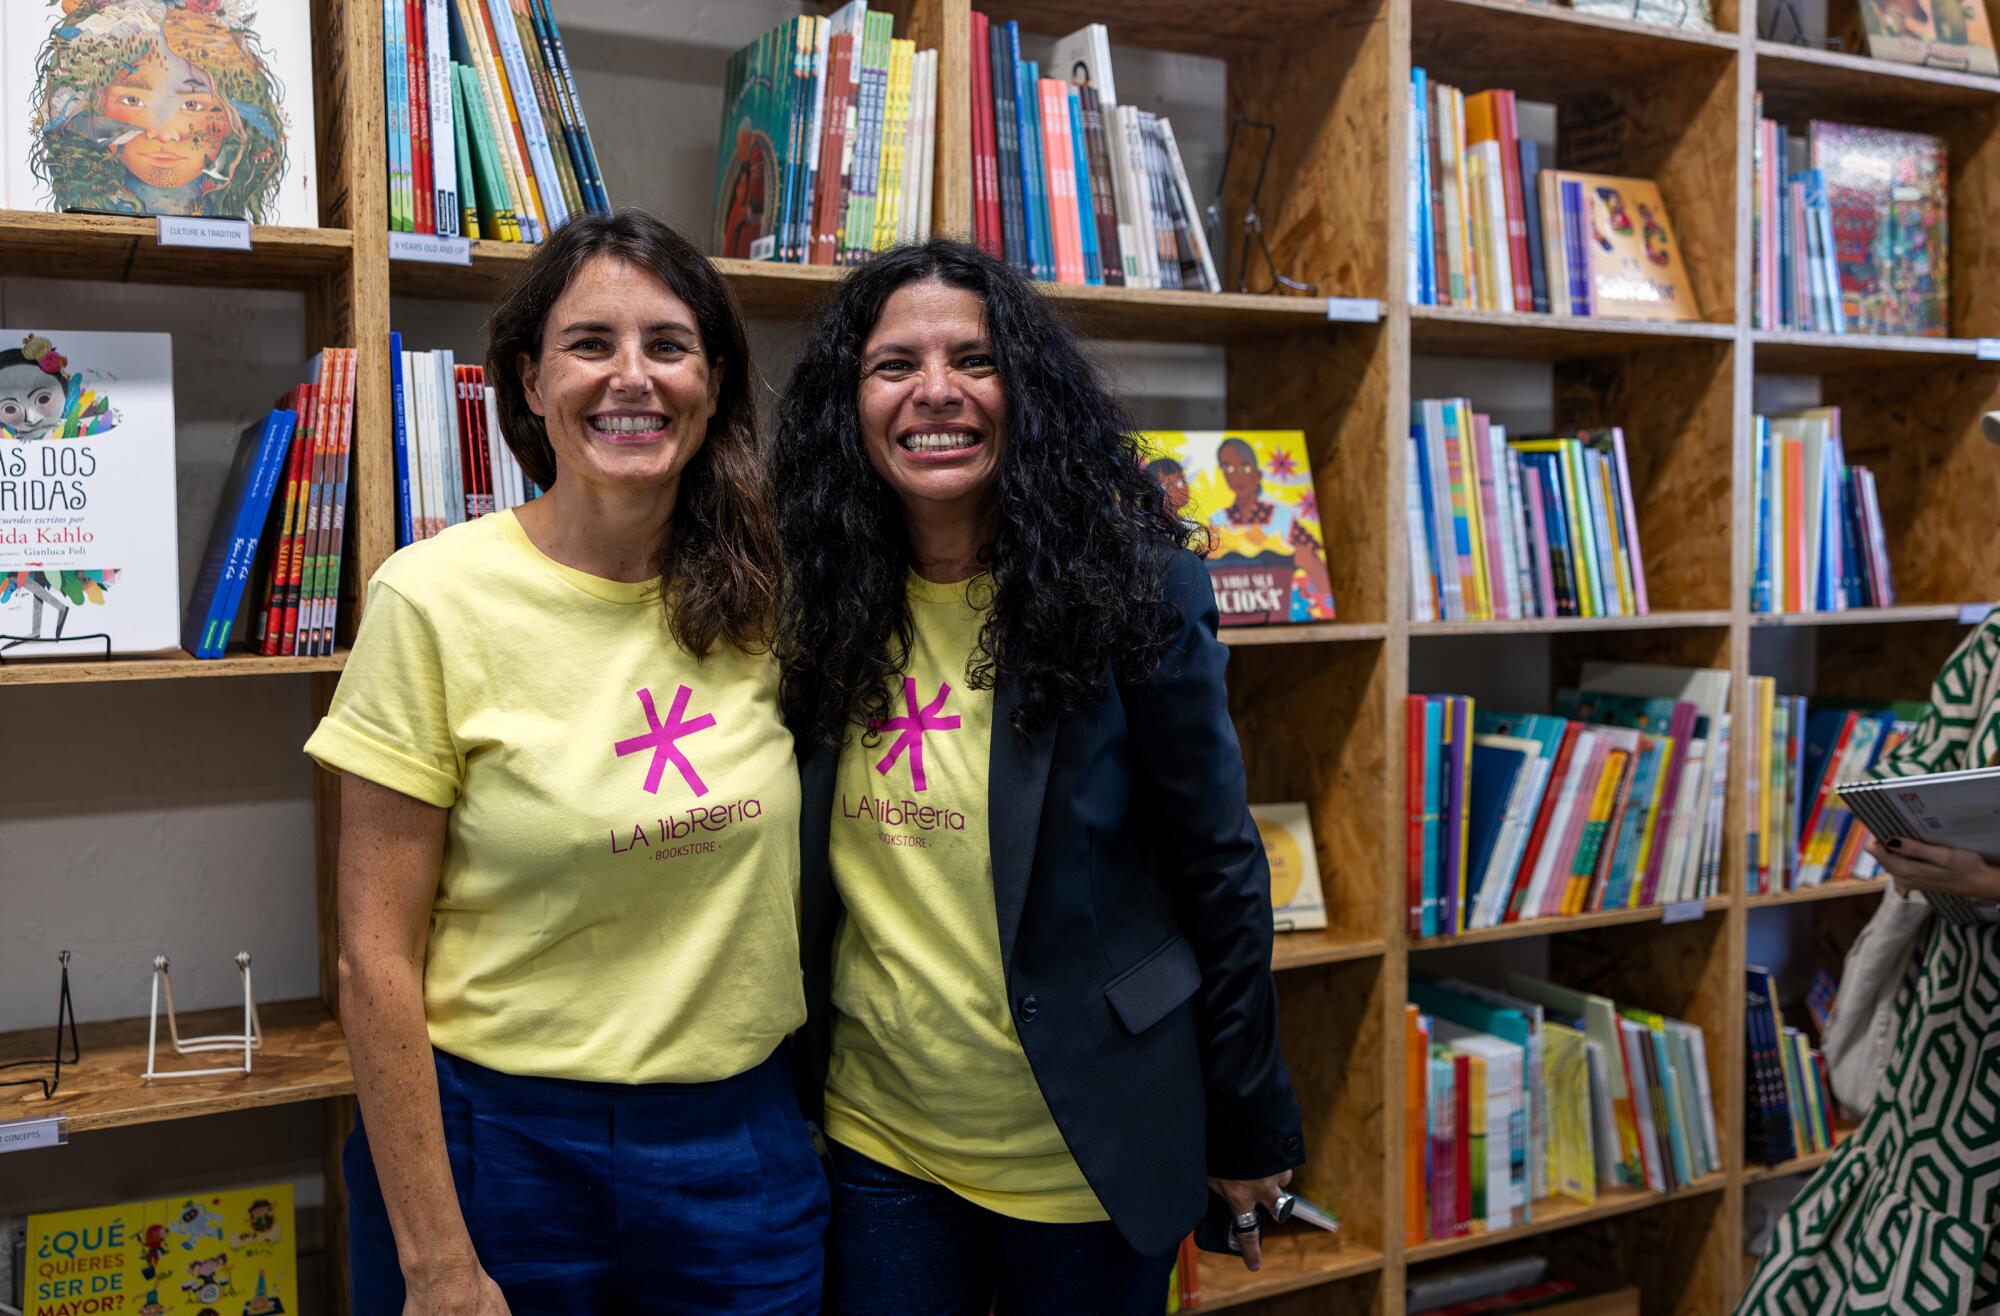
x: 1936, y: 868
x: 458, y: 1292
x: 1243, y: 1195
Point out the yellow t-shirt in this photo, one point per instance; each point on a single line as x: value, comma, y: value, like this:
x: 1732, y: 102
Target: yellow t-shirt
x: 928, y: 1076
x: 619, y: 894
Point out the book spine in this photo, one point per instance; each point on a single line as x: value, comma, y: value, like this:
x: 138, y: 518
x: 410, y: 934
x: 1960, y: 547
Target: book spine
x: 1059, y: 177
x: 270, y: 608
x: 529, y: 201
x: 1086, y: 205
x: 1515, y: 205
x: 405, y: 527
x: 1531, y: 204
x: 535, y: 143
x: 395, y: 108
x: 1007, y: 155
x: 417, y: 70
x: 445, y: 212
x: 1103, y: 189
x: 1197, y: 232
x: 602, y: 199
x: 985, y: 164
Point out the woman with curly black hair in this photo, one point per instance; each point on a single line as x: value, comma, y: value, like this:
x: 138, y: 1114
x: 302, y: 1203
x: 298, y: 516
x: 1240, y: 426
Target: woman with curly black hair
x: 1037, y: 911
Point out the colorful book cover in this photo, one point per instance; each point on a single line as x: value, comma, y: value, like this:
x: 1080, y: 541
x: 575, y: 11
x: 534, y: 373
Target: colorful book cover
x: 1945, y: 34
x: 234, y: 1251
x: 137, y: 107
x: 1253, y: 492
x: 754, y: 151
x: 1297, y: 900
x: 1887, y: 191
x: 1633, y: 260
x: 89, y: 549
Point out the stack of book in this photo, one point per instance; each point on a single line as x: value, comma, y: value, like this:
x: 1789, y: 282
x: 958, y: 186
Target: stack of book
x: 1790, y: 1100
x: 1494, y: 231
x: 1612, y: 802
x: 1850, y: 230
x: 1800, y: 833
x: 452, y: 465
x: 1542, y: 1091
x: 1509, y: 529
x: 271, y: 572
x: 1502, y: 1286
x: 486, y: 131
x: 1819, y: 541
x: 829, y: 128
x: 1069, y: 186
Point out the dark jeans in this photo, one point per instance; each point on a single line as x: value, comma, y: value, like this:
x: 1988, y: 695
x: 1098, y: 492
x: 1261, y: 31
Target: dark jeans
x: 608, y: 1197
x: 901, y: 1245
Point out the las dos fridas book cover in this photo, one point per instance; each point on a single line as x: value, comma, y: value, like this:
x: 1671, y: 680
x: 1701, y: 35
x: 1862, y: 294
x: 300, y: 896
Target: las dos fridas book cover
x: 89, y: 554
x: 230, y: 1253
x: 1251, y: 492
x: 159, y: 107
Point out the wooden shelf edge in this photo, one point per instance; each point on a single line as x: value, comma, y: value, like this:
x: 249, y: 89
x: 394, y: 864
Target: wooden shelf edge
x: 1563, y: 1214
x: 304, y: 1058
x: 1805, y: 1164
x: 1298, y: 950
x: 1651, y: 621
x: 1917, y: 77
x: 1844, y: 889
x: 1293, y: 1261
x: 1316, y: 632
x: 1900, y: 614
x: 1668, y: 38
x: 176, y: 666
x: 1549, y: 927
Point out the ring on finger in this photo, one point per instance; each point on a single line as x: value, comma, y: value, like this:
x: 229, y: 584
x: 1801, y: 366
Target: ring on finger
x: 1246, y: 1223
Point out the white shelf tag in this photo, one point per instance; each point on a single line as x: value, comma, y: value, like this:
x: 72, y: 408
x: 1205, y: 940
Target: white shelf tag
x: 194, y: 231
x: 1971, y: 614
x: 430, y: 248
x: 26, y: 1135
x: 1685, y: 911
x: 1989, y: 349
x: 1354, y: 310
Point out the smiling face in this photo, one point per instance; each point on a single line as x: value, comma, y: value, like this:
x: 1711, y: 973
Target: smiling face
x: 933, y: 412
x: 31, y: 401
x: 622, y: 383
x: 181, y: 122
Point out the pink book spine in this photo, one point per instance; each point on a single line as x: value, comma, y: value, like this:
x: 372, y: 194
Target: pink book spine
x: 1059, y: 163
x: 1498, y: 587
x: 1624, y: 473
x: 1680, y: 727
x: 1538, y: 534
x: 1585, y: 783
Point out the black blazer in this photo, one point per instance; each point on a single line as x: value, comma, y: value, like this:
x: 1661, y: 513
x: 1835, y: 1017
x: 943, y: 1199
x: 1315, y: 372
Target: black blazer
x: 1134, y: 907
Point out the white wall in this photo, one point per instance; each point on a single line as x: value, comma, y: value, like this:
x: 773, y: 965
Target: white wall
x: 177, y: 818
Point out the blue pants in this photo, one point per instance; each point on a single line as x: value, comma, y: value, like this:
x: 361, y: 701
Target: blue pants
x: 606, y: 1197
x: 904, y: 1246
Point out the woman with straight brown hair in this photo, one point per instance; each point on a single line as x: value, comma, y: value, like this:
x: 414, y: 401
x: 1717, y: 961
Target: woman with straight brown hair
x: 569, y: 860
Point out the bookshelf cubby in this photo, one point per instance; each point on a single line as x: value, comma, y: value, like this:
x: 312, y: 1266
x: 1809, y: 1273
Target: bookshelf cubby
x: 1319, y: 708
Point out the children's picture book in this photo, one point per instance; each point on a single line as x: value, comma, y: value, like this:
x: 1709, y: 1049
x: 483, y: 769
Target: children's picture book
x: 89, y: 551
x: 1943, y: 34
x: 160, y: 107
x: 1887, y: 192
x: 231, y: 1253
x: 1632, y: 259
x: 1297, y: 901
x: 756, y: 149
x: 1251, y: 492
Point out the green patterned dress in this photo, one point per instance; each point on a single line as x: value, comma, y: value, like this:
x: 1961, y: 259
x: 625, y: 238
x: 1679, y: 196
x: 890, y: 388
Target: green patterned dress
x: 1903, y: 1218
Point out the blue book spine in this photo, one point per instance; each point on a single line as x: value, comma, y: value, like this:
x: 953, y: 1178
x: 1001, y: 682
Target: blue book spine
x: 1028, y: 104
x: 1576, y: 215
x: 1007, y: 153
x: 225, y: 562
x: 406, y: 531
x: 1026, y: 140
x: 1086, y: 211
x: 1760, y: 498
x: 1430, y: 512
x: 277, y: 442
x: 1420, y: 197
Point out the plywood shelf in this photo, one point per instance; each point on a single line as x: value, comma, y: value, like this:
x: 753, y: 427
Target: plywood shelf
x: 1791, y: 352
x: 177, y: 666
x: 1316, y: 632
x: 1652, y: 621
x: 1559, y: 924
x: 1901, y: 614
x: 1547, y: 51
x: 1801, y: 80
x: 1295, y: 1258
x: 1845, y: 889
x: 304, y: 1058
x: 126, y: 249
x: 1186, y: 26
x: 1298, y: 950
x: 1455, y: 331
x: 1553, y: 1213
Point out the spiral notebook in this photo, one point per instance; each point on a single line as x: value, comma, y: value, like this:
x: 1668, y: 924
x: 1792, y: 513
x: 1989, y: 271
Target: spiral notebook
x: 1960, y: 809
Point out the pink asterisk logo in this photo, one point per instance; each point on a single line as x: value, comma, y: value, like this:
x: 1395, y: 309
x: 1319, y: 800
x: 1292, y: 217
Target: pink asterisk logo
x: 660, y: 739
x: 911, y: 728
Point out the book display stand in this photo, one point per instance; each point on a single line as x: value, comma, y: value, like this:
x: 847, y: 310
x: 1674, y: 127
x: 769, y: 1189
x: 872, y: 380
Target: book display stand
x: 248, y: 1042
x: 1318, y: 707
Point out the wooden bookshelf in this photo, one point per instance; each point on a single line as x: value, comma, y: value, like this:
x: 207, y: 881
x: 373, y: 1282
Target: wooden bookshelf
x: 1319, y: 708
x: 1557, y: 925
x: 304, y: 1058
x: 1966, y: 613
x: 1805, y: 1164
x: 1846, y: 889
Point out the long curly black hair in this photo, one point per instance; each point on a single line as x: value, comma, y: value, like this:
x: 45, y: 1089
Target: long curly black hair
x: 1082, y: 535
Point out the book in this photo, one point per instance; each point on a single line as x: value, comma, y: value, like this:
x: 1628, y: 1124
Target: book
x: 235, y: 533
x: 184, y: 1253
x: 89, y: 546
x: 1631, y: 260
x: 1252, y: 492
x: 240, y: 138
x: 1297, y: 900
x: 1946, y: 34
x: 1942, y: 808
x: 1889, y: 215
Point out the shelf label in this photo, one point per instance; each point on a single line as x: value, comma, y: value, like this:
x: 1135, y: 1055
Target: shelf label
x: 1989, y: 349
x: 193, y: 231
x: 1971, y: 614
x: 1685, y: 911
x: 26, y: 1135
x: 1354, y: 310
x: 431, y: 248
